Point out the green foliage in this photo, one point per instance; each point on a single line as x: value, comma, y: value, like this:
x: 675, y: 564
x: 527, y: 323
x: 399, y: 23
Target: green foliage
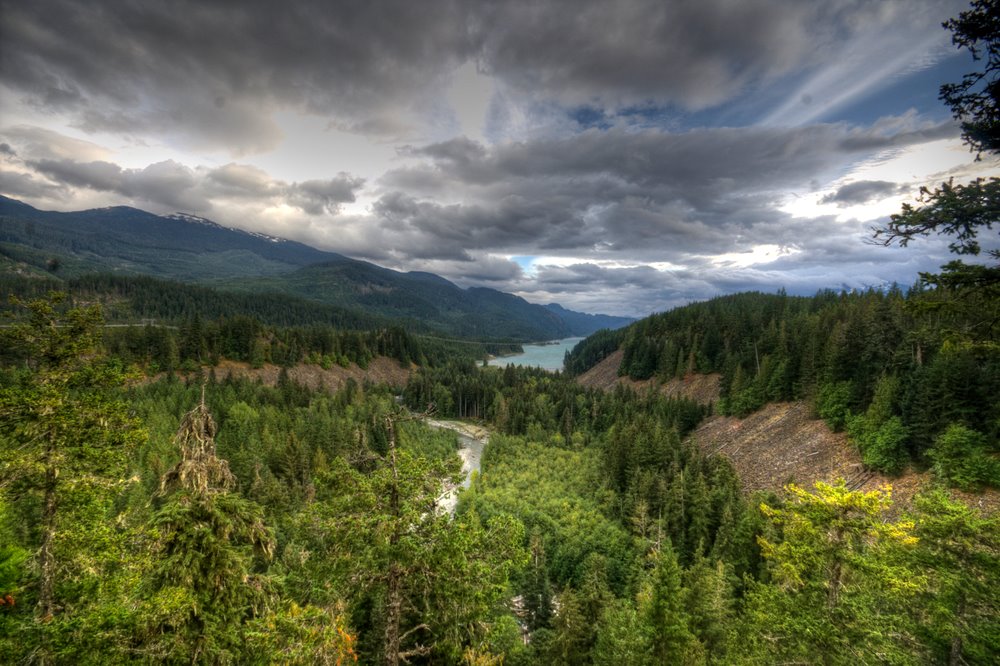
x: 623, y: 637
x: 833, y: 405
x: 207, y: 538
x: 959, y: 211
x: 65, y: 436
x: 961, y: 457
x: 302, y: 526
x: 662, y: 605
x: 958, y: 613
x: 879, y: 433
x: 553, y: 492
x: 425, y: 580
x: 841, y: 582
x: 974, y: 101
x: 301, y: 636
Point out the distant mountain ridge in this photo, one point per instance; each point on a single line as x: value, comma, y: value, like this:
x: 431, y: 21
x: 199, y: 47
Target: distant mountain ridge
x: 591, y: 323
x: 189, y: 248
x: 124, y: 239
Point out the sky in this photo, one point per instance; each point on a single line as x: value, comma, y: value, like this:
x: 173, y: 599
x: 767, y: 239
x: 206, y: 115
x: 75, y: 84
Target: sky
x: 619, y: 157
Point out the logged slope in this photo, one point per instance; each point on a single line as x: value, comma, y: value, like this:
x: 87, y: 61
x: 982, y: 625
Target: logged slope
x: 380, y: 370
x: 703, y: 389
x: 784, y: 442
x: 780, y: 443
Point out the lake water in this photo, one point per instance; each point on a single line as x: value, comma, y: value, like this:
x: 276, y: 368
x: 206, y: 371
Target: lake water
x: 547, y: 356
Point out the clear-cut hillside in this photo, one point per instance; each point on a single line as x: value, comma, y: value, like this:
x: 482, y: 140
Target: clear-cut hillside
x: 778, y: 444
x: 604, y: 375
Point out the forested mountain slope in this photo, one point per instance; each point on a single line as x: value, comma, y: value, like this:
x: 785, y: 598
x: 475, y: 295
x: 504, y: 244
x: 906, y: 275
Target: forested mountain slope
x: 432, y: 301
x: 123, y: 240
x: 910, y: 377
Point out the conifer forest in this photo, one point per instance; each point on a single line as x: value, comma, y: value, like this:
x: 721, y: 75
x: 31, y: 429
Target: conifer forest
x: 220, y: 447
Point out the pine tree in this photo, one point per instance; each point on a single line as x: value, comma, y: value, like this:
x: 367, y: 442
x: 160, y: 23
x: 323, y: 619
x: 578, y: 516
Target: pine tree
x: 960, y: 550
x: 840, y: 581
x: 663, y: 608
x: 64, y: 436
x: 537, y: 588
x: 203, y: 588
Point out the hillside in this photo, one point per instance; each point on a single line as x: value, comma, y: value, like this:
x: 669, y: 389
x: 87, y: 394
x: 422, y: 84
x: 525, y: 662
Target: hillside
x: 897, y: 371
x: 429, y: 299
x: 128, y: 240
x: 581, y: 323
x: 700, y: 388
x: 380, y: 370
x: 123, y: 240
x: 778, y: 444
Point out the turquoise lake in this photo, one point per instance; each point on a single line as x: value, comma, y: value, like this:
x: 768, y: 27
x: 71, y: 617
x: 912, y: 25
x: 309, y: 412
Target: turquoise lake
x: 548, y: 356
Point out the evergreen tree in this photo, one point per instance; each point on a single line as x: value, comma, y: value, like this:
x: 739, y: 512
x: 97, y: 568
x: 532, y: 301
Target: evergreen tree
x: 959, y: 549
x: 204, y: 588
x: 663, y: 608
x: 65, y: 435
x: 840, y: 582
x: 537, y: 591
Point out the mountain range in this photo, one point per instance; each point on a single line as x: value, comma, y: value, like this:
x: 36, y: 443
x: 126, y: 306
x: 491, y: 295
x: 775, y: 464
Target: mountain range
x: 186, y: 248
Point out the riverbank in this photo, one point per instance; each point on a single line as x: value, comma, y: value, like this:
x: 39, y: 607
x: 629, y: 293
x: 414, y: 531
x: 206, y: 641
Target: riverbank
x: 472, y: 439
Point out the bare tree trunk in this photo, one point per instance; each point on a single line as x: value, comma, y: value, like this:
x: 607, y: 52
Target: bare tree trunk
x: 394, y: 581
x: 46, y: 558
x: 833, y: 591
x: 955, y: 654
x: 394, y: 607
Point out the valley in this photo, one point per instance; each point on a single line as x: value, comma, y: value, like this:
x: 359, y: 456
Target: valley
x: 659, y: 489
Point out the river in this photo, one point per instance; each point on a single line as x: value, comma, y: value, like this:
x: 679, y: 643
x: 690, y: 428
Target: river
x: 471, y: 441
x: 548, y: 356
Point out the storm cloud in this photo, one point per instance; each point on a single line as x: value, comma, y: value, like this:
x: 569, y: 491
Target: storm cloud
x: 619, y: 157
x: 861, y: 192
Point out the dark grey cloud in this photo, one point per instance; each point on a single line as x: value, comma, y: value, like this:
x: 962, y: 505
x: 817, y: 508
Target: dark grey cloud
x: 241, y: 181
x: 165, y: 183
x: 650, y: 193
x: 216, y: 73
x: 861, y: 192
x: 316, y: 197
x: 174, y: 186
x: 97, y: 175
x: 688, y: 54
x: 19, y: 184
x: 642, y: 188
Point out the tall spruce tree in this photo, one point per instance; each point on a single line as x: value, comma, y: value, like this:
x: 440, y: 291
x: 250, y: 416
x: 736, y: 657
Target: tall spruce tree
x: 205, y: 585
x: 63, y: 439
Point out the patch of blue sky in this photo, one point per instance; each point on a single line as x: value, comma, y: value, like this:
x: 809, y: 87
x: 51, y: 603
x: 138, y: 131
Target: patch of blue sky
x: 918, y: 90
x: 526, y: 262
x: 589, y: 117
